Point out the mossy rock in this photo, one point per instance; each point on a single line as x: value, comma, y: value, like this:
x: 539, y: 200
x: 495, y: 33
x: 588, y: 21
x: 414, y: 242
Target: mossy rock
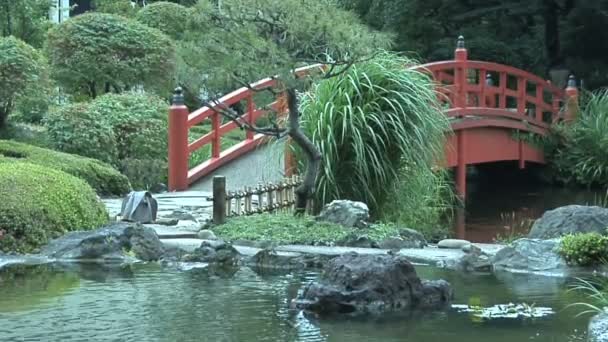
x: 41, y: 203
x: 102, y: 177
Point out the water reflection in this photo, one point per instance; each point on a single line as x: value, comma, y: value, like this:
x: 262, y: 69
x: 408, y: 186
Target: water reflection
x: 503, y: 201
x: 149, y: 303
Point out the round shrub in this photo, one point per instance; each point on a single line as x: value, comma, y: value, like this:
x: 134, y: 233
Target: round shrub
x: 585, y: 249
x: 97, y: 53
x: 39, y: 204
x: 79, y: 130
x: 102, y: 177
x: 21, y: 66
x: 121, y: 129
x: 169, y: 17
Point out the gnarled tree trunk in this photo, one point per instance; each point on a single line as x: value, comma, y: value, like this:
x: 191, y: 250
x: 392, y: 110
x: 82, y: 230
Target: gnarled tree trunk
x: 305, y: 191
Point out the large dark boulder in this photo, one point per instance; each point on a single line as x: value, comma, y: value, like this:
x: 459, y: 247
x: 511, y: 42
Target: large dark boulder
x: 598, y: 328
x: 353, y: 284
x: 218, y: 253
x: 569, y: 220
x: 118, y: 242
x: 531, y: 255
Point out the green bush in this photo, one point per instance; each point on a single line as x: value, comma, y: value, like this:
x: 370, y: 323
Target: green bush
x: 97, y: 53
x: 370, y: 123
x: 577, y: 150
x: 21, y: 67
x: 102, y: 177
x: 169, y: 17
x: 126, y: 130
x: 290, y: 229
x: 40, y: 203
x: 584, y: 249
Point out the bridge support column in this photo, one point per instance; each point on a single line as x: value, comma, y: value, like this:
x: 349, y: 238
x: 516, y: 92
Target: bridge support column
x: 178, y: 143
x: 571, y: 100
x: 522, y: 159
x: 461, y: 168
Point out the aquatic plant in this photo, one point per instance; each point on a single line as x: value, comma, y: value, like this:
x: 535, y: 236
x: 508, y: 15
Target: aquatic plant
x: 597, y: 296
x: 510, y: 311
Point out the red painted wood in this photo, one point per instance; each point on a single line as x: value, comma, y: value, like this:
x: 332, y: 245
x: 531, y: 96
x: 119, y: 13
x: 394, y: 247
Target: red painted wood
x: 216, y: 142
x: 250, y: 114
x: 178, y: 148
x: 483, y: 128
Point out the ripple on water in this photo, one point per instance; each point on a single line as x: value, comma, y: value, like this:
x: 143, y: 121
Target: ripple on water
x: 151, y: 304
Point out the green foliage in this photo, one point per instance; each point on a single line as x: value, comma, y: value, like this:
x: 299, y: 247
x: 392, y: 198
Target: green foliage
x: 370, y: 123
x: 21, y: 67
x: 577, y: 150
x: 97, y: 53
x: 584, y: 249
x: 289, y: 229
x: 170, y: 18
x: 40, y: 203
x: 126, y: 130
x: 247, y: 41
x: 102, y: 177
x: 422, y: 198
x: 597, y: 295
x: 25, y: 19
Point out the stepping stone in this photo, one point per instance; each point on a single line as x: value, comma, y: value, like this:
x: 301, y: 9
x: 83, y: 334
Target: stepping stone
x: 453, y: 243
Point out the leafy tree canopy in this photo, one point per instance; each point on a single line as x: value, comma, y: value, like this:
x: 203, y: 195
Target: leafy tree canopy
x: 98, y: 53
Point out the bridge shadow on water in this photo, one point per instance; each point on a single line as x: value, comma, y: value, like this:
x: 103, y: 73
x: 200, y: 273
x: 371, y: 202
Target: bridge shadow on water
x: 503, y: 201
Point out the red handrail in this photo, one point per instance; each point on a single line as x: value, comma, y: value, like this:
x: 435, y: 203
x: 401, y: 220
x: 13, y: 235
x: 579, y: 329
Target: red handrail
x: 478, y: 99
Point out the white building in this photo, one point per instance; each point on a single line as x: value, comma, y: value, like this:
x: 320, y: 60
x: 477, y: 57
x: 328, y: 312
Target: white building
x: 61, y: 10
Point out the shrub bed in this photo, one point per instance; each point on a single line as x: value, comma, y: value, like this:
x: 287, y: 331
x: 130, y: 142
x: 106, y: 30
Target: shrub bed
x: 41, y: 203
x: 102, y: 177
x: 585, y: 249
x: 289, y: 229
x: 125, y: 130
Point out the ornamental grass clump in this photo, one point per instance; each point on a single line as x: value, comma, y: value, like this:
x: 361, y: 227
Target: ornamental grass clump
x: 375, y: 124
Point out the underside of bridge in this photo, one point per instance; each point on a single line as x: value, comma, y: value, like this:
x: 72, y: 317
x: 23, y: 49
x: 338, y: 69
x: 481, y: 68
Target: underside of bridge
x: 482, y: 145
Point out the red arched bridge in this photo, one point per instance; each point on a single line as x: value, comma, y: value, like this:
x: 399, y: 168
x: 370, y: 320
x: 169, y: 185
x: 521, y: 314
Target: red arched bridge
x: 488, y: 105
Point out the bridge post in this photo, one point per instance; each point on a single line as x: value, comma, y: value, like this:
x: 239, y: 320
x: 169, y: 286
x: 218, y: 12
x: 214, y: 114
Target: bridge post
x: 178, y: 142
x: 460, y: 83
x: 571, y: 100
x: 460, y: 74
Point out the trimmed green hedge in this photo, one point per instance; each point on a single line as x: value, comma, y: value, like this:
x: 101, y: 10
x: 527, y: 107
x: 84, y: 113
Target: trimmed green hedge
x: 41, y: 203
x: 586, y: 249
x: 128, y: 131
x: 102, y: 177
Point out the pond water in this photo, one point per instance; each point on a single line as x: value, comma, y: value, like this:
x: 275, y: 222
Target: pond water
x: 503, y: 201
x: 150, y: 303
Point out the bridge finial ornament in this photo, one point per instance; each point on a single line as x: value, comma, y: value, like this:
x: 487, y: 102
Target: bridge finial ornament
x: 178, y: 97
x: 489, y: 80
x: 460, y: 44
x: 571, y: 81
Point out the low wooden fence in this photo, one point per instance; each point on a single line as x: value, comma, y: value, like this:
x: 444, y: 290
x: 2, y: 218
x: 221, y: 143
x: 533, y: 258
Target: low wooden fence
x: 269, y: 197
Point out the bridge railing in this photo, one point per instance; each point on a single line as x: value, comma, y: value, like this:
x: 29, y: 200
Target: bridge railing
x: 182, y: 122
x: 465, y: 87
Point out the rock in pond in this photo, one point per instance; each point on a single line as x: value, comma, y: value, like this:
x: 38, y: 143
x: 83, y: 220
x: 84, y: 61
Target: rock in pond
x: 530, y: 255
x: 453, y: 243
x: 355, y: 284
x: 271, y: 259
x: 117, y: 242
x: 346, y: 213
x: 206, y: 234
x: 568, y: 220
x: 414, y: 236
x: 218, y: 253
x: 397, y: 243
x: 597, y: 330
x: 357, y: 240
